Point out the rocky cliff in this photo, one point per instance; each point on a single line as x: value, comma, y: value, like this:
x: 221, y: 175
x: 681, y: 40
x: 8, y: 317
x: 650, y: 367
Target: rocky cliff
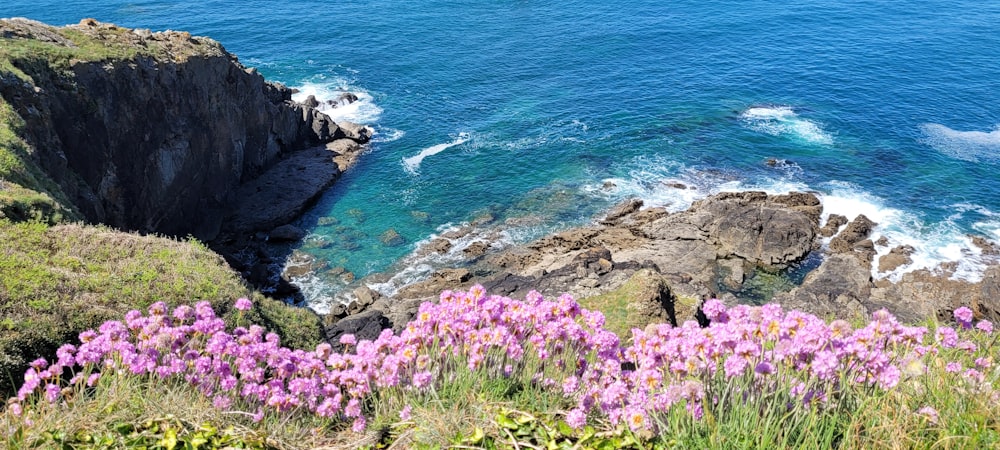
x: 154, y: 132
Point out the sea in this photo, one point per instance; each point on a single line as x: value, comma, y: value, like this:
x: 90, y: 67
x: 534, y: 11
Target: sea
x: 528, y: 117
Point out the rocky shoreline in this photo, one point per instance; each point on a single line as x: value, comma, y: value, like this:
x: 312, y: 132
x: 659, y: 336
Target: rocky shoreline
x: 737, y: 246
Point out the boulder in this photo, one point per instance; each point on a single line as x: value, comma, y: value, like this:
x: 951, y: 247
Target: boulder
x: 857, y: 230
x: 311, y: 101
x: 365, y: 325
x: 833, y: 223
x: 771, y: 231
x: 355, y: 132
x: 286, y: 233
x: 897, y: 257
x: 623, y: 209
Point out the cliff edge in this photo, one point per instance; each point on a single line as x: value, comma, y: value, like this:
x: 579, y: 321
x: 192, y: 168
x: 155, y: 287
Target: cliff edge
x: 150, y: 132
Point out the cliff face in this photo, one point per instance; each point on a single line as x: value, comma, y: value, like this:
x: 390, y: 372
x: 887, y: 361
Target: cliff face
x: 153, y: 132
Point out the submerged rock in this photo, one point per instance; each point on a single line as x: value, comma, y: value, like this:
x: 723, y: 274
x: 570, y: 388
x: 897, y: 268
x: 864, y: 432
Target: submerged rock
x: 391, y: 238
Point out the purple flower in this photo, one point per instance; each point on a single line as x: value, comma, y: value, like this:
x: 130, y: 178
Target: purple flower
x: 964, y: 316
x: 715, y: 310
x: 404, y: 414
x: 930, y: 413
x: 953, y: 367
x: 243, y: 304
x: 576, y: 418
x: 222, y: 402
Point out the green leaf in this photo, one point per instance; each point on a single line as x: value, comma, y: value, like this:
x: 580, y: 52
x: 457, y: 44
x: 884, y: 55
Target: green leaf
x: 506, y: 422
x: 169, y: 440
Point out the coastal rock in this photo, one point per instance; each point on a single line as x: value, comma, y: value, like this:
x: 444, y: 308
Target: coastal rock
x: 897, y: 257
x: 364, y: 326
x: 771, y: 231
x: 287, y: 233
x: 857, y: 231
x: 476, y: 249
x: 390, y: 238
x: 441, y: 280
x: 838, y: 287
x: 625, y: 208
x: 833, y: 223
x: 354, y: 132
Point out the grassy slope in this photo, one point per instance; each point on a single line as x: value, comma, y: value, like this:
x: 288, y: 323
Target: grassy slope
x: 58, y: 281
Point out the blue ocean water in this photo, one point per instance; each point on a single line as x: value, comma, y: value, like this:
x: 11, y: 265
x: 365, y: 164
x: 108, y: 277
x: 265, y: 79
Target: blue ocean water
x: 542, y: 114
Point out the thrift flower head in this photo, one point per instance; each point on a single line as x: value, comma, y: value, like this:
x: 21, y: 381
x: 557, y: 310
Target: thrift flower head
x: 964, y: 316
x: 243, y: 304
x: 930, y: 414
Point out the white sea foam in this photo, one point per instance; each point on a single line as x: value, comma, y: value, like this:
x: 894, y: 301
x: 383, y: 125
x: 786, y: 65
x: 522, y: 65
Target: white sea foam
x: 934, y: 243
x: 974, y: 146
x: 328, y: 92
x: 412, y: 164
x: 782, y: 120
x: 383, y: 135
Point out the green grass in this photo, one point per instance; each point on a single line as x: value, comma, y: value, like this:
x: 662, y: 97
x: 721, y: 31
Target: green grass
x: 56, y: 282
x: 622, y: 313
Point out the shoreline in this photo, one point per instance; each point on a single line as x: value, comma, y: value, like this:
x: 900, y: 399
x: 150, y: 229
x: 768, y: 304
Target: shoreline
x: 740, y: 247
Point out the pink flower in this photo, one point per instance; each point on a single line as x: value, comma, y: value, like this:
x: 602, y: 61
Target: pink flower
x: 930, y: 413
x: 985, y: 326
x: 715, y: 310
x: 348, y: 339
x: 964, y: 316
x: 243, y: 304
x: 953, y: 367
x: 221, y: 402
x: 404, y: 414
x: 576, y: 418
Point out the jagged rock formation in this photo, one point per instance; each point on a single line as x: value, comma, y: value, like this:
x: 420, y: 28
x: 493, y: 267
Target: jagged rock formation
x: 720, y: 247
x: 158, y: 132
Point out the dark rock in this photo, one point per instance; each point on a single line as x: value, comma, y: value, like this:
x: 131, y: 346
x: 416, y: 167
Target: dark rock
x: 833, y: 223
x: 988, y: 247
x: 311, y: 102
x: 882, y: 241
x: 286, y: 233
x: 675, y: 185
x: 857, y: 230
x: 355, y: 132
x: 346, y: 98
x: 364, y: 326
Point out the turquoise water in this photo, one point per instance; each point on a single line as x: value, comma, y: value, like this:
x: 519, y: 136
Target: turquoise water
x: 546, y: 113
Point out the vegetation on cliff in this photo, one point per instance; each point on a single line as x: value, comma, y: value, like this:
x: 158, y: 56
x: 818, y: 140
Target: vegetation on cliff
x: 520, y: 374
x: 58, y: 281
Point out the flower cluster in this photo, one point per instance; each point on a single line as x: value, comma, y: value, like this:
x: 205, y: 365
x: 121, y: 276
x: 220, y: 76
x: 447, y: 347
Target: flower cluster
x: 746, y: 353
